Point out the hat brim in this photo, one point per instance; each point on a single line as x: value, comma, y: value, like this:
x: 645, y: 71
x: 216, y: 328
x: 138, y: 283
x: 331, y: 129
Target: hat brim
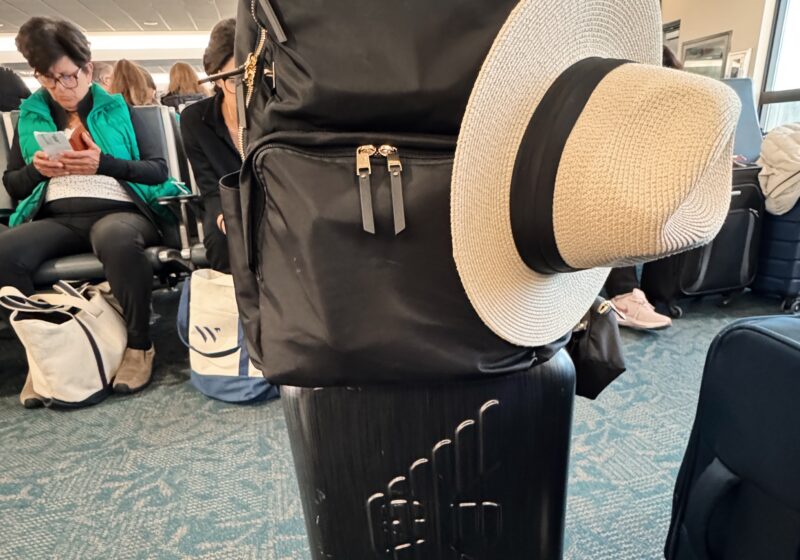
x: 540, y: 39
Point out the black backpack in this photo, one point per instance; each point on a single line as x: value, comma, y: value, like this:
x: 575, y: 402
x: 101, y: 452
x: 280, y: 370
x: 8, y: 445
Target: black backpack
x: 354, y: 66
x: 353, y: 110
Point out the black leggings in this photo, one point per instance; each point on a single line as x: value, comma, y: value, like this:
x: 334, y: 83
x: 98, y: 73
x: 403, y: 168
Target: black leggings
x: 118, y: 239
x: 621, y: 281
x: 216, y: 244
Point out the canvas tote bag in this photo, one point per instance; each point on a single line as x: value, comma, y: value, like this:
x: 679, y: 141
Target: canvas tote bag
x: 74, y: 340
x: 209, y: 326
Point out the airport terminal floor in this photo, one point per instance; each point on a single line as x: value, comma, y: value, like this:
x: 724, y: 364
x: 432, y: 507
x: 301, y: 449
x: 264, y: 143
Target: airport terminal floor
x: 168, y: 473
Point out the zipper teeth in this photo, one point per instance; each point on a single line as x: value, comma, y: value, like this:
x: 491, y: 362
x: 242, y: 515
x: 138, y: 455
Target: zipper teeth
x: 349, y: 152
x: 241, y: 142
x: 446, y: 150
x: 262, y: 40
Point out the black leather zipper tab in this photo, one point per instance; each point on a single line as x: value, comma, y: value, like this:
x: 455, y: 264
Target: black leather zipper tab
x: 241, y: 105
x: 396, y: 176
x: 274, y: 23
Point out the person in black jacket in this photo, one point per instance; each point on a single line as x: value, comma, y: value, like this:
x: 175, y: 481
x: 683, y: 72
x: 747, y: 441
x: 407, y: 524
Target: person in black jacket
x: 12, y: 90
x: 210, y: 130
x: 85, y: 200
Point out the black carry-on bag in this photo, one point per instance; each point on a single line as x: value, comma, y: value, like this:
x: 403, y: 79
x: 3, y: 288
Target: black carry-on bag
x: 737, y: 495
x: 345, y: 192
x: 399, y: 400
x: 779, y: 262
x: 726, y: 266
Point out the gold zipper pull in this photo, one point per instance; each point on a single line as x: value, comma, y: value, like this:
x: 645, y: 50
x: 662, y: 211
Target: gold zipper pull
x: 608, y: 306
x: 250, y: 67
x: 396, y: 175
x: 363, y: 171
x: 392, y: 158
x: 363, y: 153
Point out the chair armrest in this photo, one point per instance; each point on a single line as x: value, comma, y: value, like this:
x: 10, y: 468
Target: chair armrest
x: 165, y: 200
x: 181, y: 206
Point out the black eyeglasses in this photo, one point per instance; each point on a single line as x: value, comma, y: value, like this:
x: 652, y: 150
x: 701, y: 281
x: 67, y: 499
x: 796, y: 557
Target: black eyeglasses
x: 68, y: 81
x: 232, y: 82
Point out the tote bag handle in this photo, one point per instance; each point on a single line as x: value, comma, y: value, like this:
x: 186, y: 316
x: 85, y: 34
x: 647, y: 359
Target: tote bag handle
x: 11, y: 298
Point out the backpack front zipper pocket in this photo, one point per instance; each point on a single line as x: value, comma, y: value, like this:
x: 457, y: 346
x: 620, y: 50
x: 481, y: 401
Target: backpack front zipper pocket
x: 352, y: 248
x: 376, y: 170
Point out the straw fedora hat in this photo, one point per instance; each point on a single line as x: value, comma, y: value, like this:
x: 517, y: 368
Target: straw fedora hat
x: 578, y: 152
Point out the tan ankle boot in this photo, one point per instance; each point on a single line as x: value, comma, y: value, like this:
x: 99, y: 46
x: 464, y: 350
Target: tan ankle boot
x: 28, y: 397
x: 135, y: 371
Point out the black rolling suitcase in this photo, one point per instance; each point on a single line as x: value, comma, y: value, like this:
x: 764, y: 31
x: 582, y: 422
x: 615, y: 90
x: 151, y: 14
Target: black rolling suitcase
x: 779, y: 262
x: 725, y: 266
x: 737, y: 495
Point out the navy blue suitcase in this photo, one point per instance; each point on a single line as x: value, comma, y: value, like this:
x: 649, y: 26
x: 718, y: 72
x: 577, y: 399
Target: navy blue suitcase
x: 725, y: 266
x: 779, y: 263
x: 737, y: 495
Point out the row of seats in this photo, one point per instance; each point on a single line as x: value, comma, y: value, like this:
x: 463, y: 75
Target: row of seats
x: 182, y: 249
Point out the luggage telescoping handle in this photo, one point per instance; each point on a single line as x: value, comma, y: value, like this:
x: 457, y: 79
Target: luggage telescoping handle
x: 11, y: 298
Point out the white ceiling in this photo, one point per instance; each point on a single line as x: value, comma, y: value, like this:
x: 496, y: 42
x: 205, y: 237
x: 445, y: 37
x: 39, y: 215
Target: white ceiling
x: 121, y: 15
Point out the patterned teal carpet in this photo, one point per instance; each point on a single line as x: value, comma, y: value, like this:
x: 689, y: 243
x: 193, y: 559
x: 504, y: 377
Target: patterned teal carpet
x: 170, y: 474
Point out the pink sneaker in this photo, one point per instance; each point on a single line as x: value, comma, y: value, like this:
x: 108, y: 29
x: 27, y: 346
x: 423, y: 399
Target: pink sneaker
x: 639, y: 313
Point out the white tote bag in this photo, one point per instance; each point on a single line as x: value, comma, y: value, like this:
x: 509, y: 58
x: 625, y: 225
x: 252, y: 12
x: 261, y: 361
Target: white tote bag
x: 209, y: 326
x: 74, y: 340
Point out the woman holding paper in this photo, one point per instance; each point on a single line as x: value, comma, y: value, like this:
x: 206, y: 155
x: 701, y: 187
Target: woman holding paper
x: 99, y: 194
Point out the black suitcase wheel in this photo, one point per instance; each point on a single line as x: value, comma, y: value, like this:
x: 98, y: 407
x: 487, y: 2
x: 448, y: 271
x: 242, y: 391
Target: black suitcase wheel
x: 791, y: 305
x: 675, y: 311
x: 728, y: 297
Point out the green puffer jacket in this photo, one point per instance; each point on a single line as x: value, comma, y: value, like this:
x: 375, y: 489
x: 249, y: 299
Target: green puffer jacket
x: 109, y: 123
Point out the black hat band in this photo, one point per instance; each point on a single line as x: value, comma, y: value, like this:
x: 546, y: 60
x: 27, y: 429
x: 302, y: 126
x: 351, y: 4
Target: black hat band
x: 536, y: 169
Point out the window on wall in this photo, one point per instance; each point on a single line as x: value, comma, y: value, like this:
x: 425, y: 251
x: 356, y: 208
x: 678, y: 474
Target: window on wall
x: 672, y: 35
x: 780, y: 99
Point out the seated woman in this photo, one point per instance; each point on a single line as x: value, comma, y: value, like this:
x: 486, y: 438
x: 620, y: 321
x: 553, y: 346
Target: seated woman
x: 152, y: 90
x: 210, y: 130
x: 129, y: 81
x: 101, y: 199
x: 184, y: 88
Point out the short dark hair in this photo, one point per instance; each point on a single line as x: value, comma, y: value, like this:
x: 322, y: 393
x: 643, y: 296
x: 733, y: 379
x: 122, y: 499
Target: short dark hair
x: 43, y: 41
x: 220, y: 46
